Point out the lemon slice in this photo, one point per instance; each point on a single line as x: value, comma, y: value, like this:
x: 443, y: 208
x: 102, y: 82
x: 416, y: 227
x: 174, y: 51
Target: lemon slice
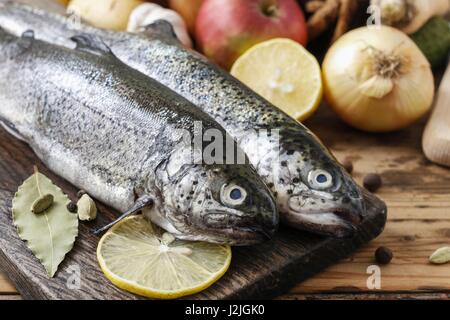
x: 283, y: 72
x: 141, y: 258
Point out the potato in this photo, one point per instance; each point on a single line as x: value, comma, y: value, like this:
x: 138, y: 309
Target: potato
x: 108, y: 14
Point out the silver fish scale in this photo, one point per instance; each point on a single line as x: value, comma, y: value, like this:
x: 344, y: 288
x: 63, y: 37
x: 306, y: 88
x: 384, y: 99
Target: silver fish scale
x: 289, y: 164
x: 123, y: 140
x: 219, y: 94
x: 170, y: 63
x: 237, y: 108
x: 160, y: 56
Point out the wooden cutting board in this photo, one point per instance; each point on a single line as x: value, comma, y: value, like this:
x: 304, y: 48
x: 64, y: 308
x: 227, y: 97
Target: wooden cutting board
x: 262, y: 271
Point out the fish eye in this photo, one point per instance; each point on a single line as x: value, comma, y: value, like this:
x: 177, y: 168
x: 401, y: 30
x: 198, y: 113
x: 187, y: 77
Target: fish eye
x: 320, y: 179
x: 235, y: 194
x: 231, y: 194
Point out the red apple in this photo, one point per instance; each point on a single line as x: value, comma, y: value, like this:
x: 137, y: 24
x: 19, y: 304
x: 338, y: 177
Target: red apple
x: 188, y: 9
x: 226, y: 29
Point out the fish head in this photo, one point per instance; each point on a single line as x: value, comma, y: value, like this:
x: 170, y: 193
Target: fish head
x: 313, y: 191
x: 236, y: 202
x: 221, y: 204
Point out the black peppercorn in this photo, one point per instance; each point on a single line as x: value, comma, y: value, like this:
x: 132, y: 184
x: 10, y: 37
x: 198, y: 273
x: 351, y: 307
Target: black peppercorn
x: 72, y: 207
x: 383, y: 255
x: 81, y: 193
x: 372, y: 182
x: 348, y: 165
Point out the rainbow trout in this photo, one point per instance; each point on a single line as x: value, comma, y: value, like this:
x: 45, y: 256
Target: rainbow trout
x: 119, y: 135
x: 313, y: 192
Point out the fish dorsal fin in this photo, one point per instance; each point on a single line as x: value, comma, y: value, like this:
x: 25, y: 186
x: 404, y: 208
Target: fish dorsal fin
x: 163, y: 28
x: 92, y: 44
x: 17, y: 45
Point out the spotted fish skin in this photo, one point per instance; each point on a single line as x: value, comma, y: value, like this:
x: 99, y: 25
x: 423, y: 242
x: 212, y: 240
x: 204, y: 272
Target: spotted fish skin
x: 118, y: 134
x: 291, y: 160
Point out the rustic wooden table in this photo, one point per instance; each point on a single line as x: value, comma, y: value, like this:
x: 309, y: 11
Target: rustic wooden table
x: 418, y: 196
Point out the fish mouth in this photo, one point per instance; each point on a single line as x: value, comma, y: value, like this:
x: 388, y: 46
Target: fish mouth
x: 350, y: 216
x: 239, y: 230
x: 243, y: 236
x: 323, y: 223
x: 339, y: 222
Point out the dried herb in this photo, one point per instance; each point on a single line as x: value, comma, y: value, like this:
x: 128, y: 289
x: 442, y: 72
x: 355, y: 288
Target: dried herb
x: 87, y: 210
x: 51, y: 234
x: 72, y: 207
x: 441, y: 256
x: 81, y: 193
x: 42, y: 203
x: 372, y: 182
x: 383, y: 255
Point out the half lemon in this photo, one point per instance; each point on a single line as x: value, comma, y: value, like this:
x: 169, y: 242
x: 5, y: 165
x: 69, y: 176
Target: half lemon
x: 283, y: 72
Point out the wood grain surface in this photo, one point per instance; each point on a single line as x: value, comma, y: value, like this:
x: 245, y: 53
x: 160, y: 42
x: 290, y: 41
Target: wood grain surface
x: 262, y: 271
x: 417, y: 193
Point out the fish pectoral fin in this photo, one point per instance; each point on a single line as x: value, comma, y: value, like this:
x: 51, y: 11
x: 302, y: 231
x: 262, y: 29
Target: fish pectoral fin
x: 91, y: 44
x: 141, y: 203
x: 163, y: 28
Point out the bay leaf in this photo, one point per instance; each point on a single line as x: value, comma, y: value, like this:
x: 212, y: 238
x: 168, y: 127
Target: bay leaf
x: 51, y: 234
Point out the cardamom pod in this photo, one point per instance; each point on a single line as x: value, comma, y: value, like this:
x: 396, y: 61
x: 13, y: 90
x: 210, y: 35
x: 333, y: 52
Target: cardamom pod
x: 87, y: 209
x: 441, y: 256
x: 42, y: 203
